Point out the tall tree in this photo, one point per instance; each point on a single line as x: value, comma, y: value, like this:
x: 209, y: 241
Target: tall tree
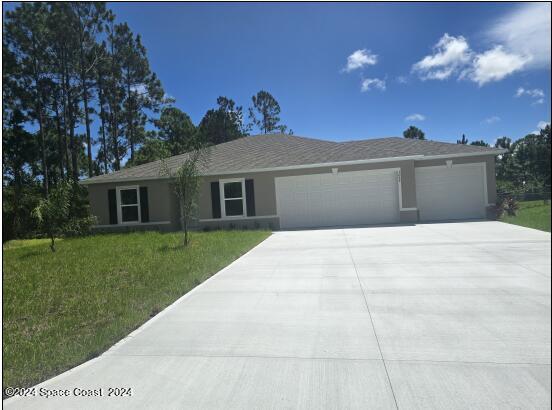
x: 25, y: 31
x: 265, y: 113
x: 414, y: 133
x: 142, y: 88
x: 114, y: 93
x: 222, y: 124
x: 88, y: 21
x: 462, y: 141
x: 152, y: 149
x: 504, y: 162
x: 176, y: 130
x: 101, y: 74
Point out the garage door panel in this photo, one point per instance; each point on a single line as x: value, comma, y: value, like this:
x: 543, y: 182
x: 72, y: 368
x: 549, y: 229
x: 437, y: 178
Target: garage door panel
x: 345, y: 198
x: 451, y: 193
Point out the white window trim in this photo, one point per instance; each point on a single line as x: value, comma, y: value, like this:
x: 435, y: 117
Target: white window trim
x: 120, y: 205
x: 223, y: 200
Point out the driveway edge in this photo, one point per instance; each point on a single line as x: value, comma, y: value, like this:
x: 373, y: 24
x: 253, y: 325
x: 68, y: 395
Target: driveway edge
x: 135, y: 332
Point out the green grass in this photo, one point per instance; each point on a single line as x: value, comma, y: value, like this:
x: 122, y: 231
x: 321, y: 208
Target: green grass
x: 531, y: 214
x: 20, y: 243
x: 61, y: 309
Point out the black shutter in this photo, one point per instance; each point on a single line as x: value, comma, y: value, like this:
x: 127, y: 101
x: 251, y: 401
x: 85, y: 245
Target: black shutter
x: 250, y: 197
x: 215, y: 199
x: 144, y: 208
x: 112, y: 204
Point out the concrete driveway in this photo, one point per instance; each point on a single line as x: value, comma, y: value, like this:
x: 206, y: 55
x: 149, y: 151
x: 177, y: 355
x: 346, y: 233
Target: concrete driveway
x: 451, y: 315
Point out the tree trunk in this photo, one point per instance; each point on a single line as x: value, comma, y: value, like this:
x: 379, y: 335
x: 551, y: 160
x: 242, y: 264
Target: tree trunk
x: 71, y: 121
x: 87, y: 121
x: 52, y: 243
x: 65, y: 122
x: 115, y: 137
x: 130, y: 134
x: 42, y: 148
x: 102, y: 118
x: 72, y: 141
x: 60, y: 138
x: 185, y: 232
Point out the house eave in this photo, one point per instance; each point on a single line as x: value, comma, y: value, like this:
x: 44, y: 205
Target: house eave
x: 307, y: 166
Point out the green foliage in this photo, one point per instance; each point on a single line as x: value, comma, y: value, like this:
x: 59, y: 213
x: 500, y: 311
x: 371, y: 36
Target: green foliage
x: 63, y: 212
x: 18, y: 204
x: 480, y: 143
x: 531, y: 214
x: 53, y: 212
x: 186, y: 181
x: 525, y: 167
x: 64, y: 63
x: 152, y: 149
x: 463, y: 141
x: 414, y: 133
x: 222, y: 124
x: 265, y: 113
x: 176, y: 130
x: 61, y: 309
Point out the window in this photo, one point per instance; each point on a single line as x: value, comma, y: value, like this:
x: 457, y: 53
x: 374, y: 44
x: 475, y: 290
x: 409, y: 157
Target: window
x: 129, y: 204
x: 232, y: 196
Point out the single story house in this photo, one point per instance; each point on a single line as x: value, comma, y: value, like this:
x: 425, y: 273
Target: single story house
x: 284, y: 181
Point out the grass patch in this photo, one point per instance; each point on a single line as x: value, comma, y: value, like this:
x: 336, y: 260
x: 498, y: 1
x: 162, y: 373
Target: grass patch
x: 61, y: 309
x: 21, y: 243
x: 531, y: 214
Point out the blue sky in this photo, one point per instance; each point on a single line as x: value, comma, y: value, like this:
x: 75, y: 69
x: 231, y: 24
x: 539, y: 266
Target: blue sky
x: 481, y: 69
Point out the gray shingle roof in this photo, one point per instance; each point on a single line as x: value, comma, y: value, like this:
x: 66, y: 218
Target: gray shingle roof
x: 264, y: 152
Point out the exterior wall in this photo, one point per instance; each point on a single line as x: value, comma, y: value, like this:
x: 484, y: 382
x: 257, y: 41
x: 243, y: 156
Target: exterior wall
x: 265, y: 189
x: 162, y: 204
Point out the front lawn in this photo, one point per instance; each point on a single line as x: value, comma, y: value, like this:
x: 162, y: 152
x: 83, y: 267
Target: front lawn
x: 61, y: 309
x: 532, y: 214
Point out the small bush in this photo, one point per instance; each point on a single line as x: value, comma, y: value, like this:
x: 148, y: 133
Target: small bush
x: 508, y: 206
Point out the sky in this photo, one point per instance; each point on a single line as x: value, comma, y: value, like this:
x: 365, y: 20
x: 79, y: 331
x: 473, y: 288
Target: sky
x: 358, y: 70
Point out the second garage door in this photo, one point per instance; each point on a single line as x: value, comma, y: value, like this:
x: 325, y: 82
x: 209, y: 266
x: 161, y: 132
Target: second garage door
x: 446, y: 193
x: 344, y: 198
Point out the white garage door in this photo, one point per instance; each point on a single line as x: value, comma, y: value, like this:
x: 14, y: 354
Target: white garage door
x: 451, y: 193
x: 345, y: 198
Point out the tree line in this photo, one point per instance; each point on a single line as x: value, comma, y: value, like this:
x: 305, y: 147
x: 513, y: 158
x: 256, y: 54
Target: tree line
x: 525, y: 166
x: 80, y: 99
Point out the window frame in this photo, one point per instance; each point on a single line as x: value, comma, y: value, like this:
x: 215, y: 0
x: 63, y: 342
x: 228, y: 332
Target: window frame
x: 223, y: 200
x: 120, y: 204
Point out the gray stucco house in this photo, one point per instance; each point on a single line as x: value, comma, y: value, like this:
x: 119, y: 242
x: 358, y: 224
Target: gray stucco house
x: 283, y: 182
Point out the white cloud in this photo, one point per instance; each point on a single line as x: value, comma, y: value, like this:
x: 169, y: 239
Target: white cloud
x: 415, y: 117
x: 495, y: 64
x: 492, y: 120
x: 525, y: 32
x: 540, y: 126
x: 401, y: 79
x: 359, y: 59
x: 535, y: 92
x: 519, y: 40
x: 372, y: 83
x: 449, y: 55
